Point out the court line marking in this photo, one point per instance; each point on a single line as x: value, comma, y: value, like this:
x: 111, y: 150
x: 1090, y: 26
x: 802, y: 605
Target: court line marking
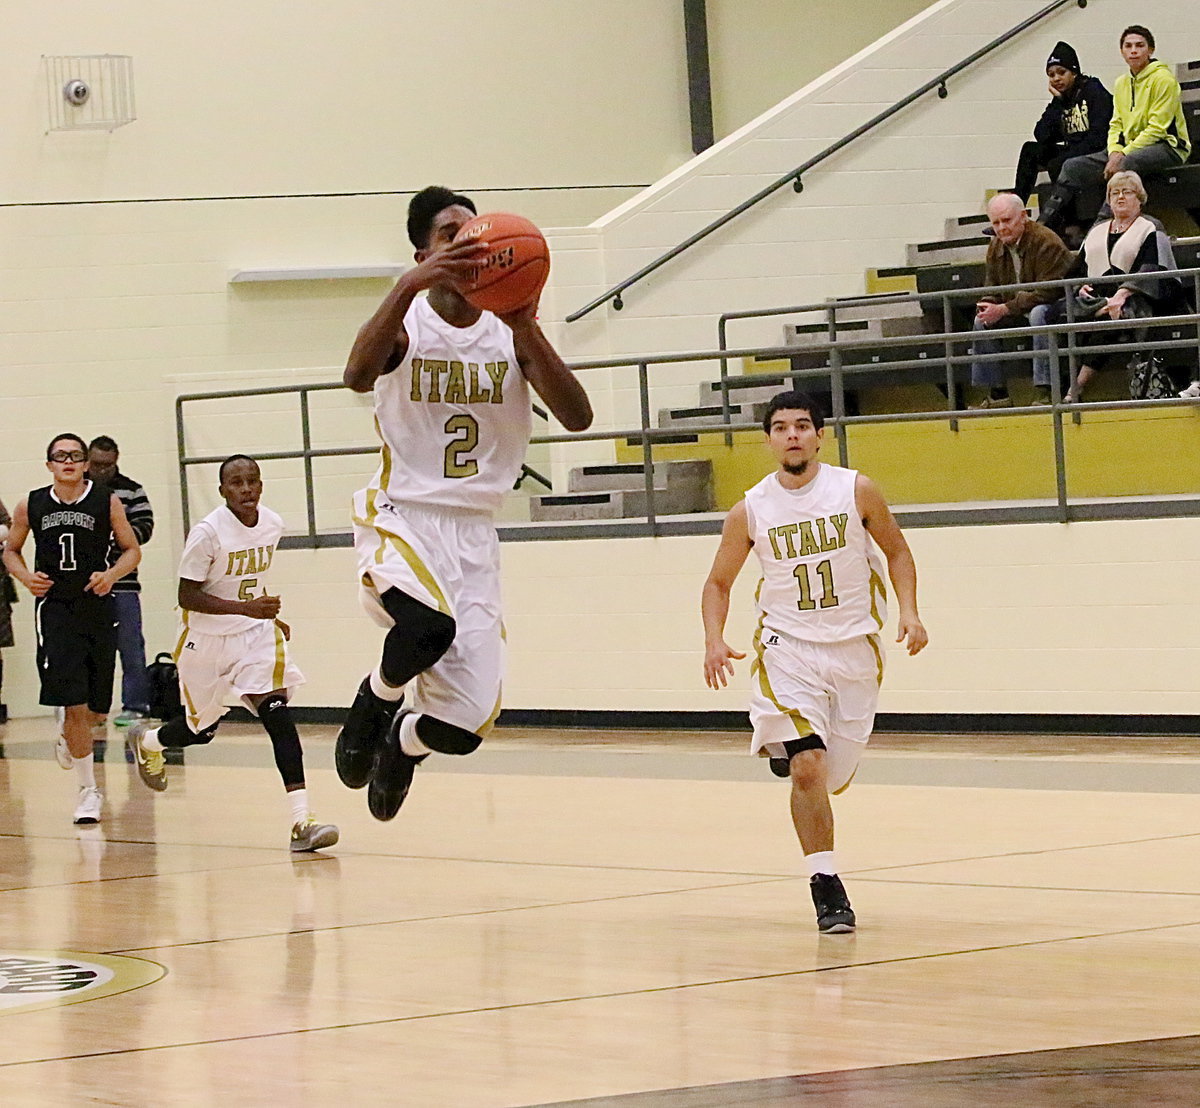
x: 620, y: 994
x: 453, y: 915
x: 1038, y: 888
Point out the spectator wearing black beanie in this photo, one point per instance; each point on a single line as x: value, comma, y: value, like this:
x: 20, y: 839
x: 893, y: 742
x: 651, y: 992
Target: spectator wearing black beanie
x: 1075, y: 121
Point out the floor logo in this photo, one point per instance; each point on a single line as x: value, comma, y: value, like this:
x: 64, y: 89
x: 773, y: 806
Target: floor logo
x: 45, y: 979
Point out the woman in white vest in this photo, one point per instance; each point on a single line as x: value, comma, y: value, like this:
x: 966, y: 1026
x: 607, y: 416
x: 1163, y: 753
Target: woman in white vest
x: 1128, y: 243
x: 817, y: 531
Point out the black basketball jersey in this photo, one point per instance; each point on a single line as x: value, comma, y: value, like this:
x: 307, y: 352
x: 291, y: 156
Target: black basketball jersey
x: 71, y: 540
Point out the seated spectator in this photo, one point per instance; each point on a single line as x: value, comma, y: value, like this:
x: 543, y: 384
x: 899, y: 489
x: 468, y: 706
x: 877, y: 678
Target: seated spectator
x: 1074, y: 123
x: 1020, y: 251
x: 1148, y: 133
x: 1127, y: 244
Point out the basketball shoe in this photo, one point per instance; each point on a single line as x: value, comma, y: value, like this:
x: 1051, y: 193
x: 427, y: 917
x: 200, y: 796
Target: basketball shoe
x: 392, y: 775
x: 367, y: 722
x: 309, y: 835
x: 87, y: 810
x: 151, y: 764
x: 834, y: 914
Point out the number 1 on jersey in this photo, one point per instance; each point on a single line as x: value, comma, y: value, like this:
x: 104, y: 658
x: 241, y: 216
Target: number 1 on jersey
x: 828, y: 598
x: 66, y: 552
x: 466, y: 432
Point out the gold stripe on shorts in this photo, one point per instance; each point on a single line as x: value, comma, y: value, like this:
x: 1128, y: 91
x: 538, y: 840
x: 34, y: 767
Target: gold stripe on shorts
x: 280, y: 659
x: 874, y: 641
x: 803, y: 727
x: 420, y: 569
x: 876, y: 583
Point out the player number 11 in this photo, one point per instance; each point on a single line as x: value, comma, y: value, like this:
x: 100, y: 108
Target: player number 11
x: 828, y: 597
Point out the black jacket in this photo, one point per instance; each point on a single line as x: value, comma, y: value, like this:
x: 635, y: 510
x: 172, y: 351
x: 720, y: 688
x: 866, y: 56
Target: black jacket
x: 1077, y: 122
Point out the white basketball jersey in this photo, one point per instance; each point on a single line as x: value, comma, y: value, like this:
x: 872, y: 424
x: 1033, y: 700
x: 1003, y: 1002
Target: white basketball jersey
x: 231, y: 561
x: 822, y: 575
x: 454, y: 415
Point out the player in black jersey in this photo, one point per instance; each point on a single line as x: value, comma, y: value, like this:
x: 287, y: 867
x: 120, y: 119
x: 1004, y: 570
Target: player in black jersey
x: 72, y: 521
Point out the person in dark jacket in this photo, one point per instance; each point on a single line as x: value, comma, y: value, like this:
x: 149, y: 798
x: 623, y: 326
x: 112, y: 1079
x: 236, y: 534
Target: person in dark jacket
x: 103, y: 455
x: 1074, y: 123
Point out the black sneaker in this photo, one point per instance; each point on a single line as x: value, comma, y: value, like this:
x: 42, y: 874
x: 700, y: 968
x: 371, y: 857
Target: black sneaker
x: 366, y: 723
x: 834, y: 914
x: 392, y: 775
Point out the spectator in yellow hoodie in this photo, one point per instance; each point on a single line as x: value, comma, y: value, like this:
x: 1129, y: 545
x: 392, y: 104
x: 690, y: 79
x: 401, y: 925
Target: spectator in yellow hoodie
x: 1148, y: 133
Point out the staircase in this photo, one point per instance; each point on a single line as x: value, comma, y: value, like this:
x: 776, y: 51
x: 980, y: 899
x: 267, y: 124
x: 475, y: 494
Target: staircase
x: 953, y: 262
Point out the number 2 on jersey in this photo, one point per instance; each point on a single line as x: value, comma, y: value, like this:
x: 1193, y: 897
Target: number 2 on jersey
x: 466, y: 437
x: 828, y: 597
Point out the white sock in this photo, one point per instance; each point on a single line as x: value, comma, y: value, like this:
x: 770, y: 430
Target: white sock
x: 150, y: 739
x: 821, y: 862
x: 409, y: 742
x: 382, y: 689
x: 298, y: 801
x: 85, y: 771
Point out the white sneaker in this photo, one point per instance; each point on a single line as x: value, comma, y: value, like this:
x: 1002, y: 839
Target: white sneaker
x: 62, y: 753
x: 88, y: 808
x: 1192, y: 392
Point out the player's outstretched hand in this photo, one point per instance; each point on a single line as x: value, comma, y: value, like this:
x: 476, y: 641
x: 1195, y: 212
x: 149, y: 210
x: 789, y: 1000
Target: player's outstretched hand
x: 718, y: 662
x: 39, y: 583
x: 99, y: 583
x: 262, y: 607
x: 913, y: 629
x: 454, y: 266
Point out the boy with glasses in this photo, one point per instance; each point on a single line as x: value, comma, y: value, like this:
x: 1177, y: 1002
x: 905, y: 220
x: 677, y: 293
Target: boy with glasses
x: 72, y: 521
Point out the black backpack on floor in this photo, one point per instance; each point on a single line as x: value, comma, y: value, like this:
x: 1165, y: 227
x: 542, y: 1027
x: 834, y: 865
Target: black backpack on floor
x: 165, y: 702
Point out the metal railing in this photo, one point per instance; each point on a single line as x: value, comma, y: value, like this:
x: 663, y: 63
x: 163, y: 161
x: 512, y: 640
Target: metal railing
x: 841, y: 376
x: 795, y: 177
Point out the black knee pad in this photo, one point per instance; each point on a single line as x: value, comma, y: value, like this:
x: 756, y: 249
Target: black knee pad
x: 200, y: 738
x: 446, y: 738
x: 808, y: 742
x: 271, y: 702
x: 419, y: 639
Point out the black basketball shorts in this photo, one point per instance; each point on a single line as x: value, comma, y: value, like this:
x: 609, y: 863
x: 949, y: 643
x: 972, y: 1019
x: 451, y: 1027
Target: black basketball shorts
x: 76, y: 651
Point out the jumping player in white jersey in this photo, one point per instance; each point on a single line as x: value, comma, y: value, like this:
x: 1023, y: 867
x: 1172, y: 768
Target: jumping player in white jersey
x: 232, y: 641
x: 818, y: 662
x: 452, y: 407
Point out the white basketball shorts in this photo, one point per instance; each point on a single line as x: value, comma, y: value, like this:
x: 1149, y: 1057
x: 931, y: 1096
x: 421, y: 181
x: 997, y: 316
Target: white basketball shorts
x: 215, y: 668
x: 449, y: 560
x: 803, y: 688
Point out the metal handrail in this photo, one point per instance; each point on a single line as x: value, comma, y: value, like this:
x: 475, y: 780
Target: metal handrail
x: 794, y: 177
x: 839, y: 374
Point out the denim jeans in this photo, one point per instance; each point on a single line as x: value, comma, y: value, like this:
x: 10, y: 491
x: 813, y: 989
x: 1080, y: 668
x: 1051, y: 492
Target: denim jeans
x: 988, y: 341
x: 135, y: 685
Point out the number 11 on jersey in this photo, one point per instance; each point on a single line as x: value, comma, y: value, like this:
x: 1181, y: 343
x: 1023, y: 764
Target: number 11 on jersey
x: 828, y: 597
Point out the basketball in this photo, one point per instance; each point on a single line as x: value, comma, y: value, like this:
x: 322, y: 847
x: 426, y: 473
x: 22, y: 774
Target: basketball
x: 517, y: 263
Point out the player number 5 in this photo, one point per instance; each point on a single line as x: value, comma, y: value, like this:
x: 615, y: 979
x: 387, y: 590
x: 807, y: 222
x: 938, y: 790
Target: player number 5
x: 247, y: 587
x: 466, y: 437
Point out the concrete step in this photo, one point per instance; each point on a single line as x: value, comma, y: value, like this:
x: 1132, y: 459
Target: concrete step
x: 709, y: 414
x: 880, y: 307
x: 963, y: 226
x: 944, y: 252
x: 813, y: 334
x: 759, y: 392
x: 631, y: 476
x: 1187, y: 71
x: 623, y: 503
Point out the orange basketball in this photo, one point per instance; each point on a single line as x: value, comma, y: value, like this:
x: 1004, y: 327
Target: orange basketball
x: 517, y: 263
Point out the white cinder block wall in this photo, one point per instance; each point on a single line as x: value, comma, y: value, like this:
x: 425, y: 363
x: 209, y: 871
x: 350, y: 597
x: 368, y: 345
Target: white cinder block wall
x: 116, y: 252
x: 859, y: 210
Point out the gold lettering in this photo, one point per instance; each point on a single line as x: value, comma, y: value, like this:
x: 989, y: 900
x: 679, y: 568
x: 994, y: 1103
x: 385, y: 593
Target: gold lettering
x: 787, y: 531
x: 269, y: 552
x: 827, y: 543
x: 251, y: 561
x: 839, y: 521
x: 240, y: 555
x: 415, y: 394
x: 456, y: 385
x: 229, y: 568
x: 808, y: 544
x: 478, y: 395
x: 774, y: 542
x: 497, y: 371
x: 435, y: 371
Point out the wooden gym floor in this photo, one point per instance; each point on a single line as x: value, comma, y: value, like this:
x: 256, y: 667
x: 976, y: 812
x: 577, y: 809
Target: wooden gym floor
x: 609, y: 916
